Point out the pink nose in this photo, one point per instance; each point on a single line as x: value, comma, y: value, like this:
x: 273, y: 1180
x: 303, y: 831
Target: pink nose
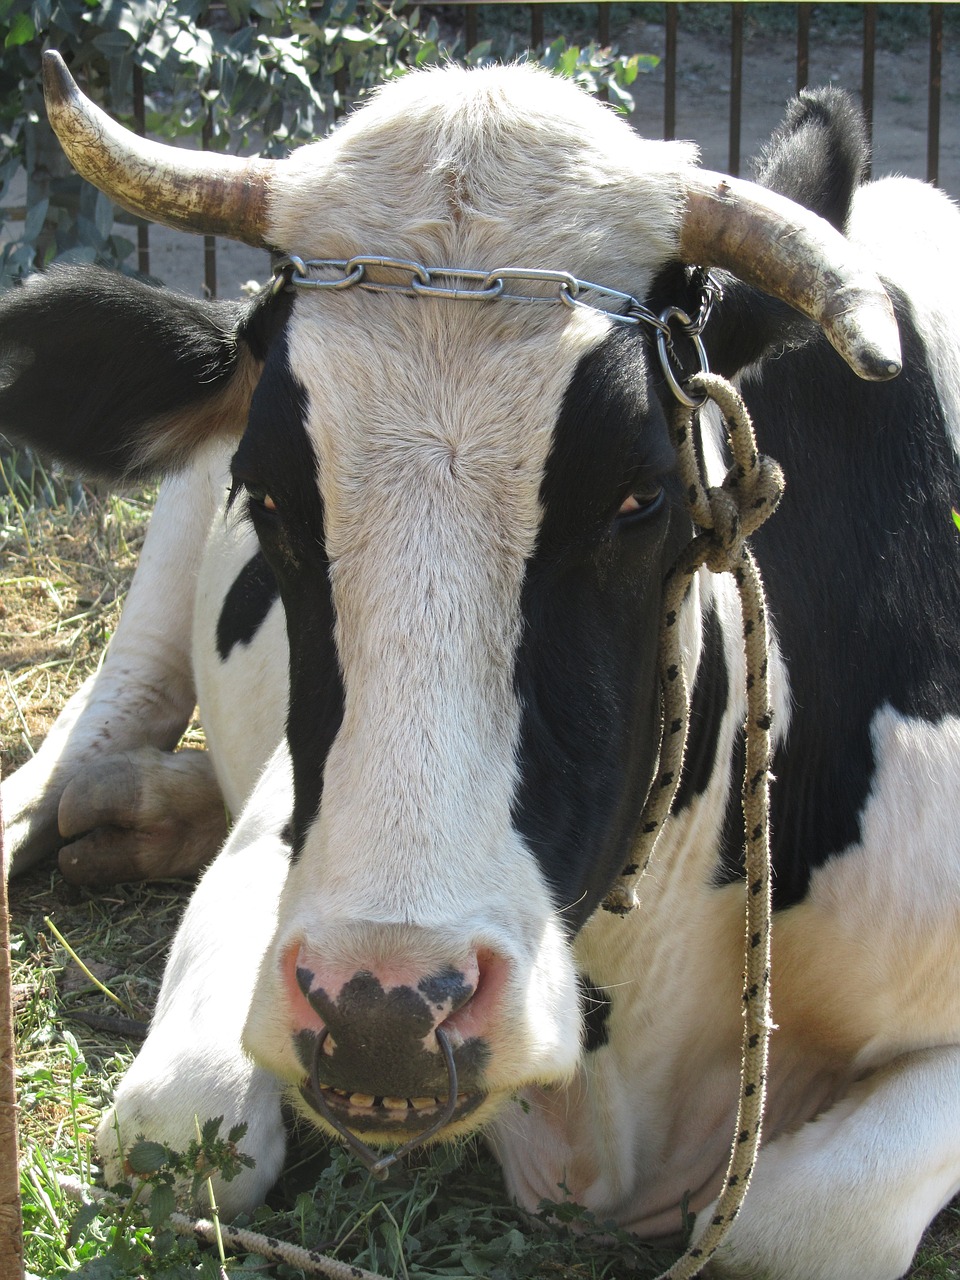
x: 381, y: 1025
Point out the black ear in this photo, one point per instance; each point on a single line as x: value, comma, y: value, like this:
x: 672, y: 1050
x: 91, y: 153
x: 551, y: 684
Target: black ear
x: 819, y: 154
x: 817, y: 157
x: 118, y: 378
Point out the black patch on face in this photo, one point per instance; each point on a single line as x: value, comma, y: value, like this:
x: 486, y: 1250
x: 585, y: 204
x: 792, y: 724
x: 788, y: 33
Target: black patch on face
x: 596, y: 1008
x: 448, y: 989
x: 276, y: 458
x: 379, y: 1040
x: 246, y: 605
x: 591, y: 601
x: 862, y: 570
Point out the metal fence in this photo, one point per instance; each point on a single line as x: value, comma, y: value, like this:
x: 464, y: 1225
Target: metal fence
x: 607, y: 24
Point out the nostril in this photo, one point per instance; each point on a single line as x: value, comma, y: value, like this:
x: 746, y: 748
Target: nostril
x: 472, y: 1016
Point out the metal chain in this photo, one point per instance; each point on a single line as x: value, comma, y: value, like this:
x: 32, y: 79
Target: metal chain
x: 462, y: 284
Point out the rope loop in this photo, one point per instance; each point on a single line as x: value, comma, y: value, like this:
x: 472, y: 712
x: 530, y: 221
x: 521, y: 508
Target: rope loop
x: 725, y: 516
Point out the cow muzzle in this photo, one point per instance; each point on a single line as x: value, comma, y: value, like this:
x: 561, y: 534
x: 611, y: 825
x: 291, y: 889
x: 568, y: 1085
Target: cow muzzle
x: 392, y: 1055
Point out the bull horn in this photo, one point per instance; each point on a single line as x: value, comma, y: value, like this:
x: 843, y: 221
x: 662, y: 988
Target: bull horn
x: 768, y: 241
x: 198, y: 191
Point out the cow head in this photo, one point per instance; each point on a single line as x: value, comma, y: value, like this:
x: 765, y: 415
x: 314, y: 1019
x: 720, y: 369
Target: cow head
x: 469, y: 508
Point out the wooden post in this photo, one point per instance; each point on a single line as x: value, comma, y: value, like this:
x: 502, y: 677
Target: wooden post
x: 11, y: 1224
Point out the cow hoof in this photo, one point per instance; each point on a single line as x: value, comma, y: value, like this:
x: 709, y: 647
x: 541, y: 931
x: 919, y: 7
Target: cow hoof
x: 141, y: 815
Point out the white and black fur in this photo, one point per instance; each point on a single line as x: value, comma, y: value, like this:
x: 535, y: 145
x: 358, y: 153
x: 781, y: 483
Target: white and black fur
x: 423, y: 635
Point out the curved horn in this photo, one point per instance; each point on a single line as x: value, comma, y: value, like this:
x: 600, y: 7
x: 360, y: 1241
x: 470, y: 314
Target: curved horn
x: 794, y: 255
x: 191, y: 190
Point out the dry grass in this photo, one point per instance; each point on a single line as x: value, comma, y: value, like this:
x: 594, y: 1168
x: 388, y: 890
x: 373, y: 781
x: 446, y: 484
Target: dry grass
x: 63, y: 577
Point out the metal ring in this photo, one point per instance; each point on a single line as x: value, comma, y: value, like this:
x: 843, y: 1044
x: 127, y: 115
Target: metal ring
x: 674, y: 313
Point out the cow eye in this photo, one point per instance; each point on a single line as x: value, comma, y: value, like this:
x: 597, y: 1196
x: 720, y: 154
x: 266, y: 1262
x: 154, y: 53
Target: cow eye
x: 259, y: 498
x: 639, y: 506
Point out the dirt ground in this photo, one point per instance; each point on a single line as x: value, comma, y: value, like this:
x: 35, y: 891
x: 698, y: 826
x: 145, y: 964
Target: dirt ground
x: 703, y: 85
x: 769, y: 80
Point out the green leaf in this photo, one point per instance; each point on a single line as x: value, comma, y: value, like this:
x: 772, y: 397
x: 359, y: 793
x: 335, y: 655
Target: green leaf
x: 162, y: 1204
x: 147, y: 1157
x: 21, y: 31
x: 210, y: 1129
x: 956, y: 517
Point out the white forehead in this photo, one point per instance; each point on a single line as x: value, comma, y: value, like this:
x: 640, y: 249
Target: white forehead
x: 476, y: 169
x: 484, y: 168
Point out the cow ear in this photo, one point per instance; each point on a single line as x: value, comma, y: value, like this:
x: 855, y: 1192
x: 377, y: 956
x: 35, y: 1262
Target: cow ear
x: 120, y: 379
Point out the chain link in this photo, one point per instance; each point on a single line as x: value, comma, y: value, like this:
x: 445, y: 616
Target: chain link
x: 461, y: 284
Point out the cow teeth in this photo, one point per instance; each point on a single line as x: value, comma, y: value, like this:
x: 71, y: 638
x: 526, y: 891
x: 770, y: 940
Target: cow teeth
x: 395, y: 1104
x: 361, y: 1099
x: 423, y: 1104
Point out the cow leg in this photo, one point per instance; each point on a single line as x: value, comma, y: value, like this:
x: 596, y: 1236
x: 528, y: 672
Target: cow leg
x: 142, y: 815
x: 143, y: 695
x: 192, y: 1066
x: 848, y: 1196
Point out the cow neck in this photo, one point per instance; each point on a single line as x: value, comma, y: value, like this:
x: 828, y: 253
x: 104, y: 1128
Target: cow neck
x: 724, y: 517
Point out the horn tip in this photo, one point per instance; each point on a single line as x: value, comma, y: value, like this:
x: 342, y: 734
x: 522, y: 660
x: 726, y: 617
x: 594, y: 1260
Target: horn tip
x: 58, y: 83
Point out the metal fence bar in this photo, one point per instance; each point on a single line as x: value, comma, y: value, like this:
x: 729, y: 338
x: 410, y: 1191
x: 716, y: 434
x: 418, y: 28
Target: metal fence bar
x: 869, y: 63
x: 803, y: 45
x: 140, y: 124
x: 933, y: 107
x: 736, y: 85
x: 670, y: 73
x: 536, y: 26
x: 209, y: 242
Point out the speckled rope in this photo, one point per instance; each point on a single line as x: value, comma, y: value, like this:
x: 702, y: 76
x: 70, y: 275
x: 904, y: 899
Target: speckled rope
x: 310, y: 1261
x: 724, y: 517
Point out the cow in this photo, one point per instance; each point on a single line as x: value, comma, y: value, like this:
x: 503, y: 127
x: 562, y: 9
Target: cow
x: 420, y: 500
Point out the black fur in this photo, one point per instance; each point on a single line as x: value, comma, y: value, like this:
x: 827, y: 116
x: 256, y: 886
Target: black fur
x: 246, y: 605
x: 585, y: 670
x: 819, y: 155
x: 862, y: 568
x: 89, y: 359
x: 275, y: 456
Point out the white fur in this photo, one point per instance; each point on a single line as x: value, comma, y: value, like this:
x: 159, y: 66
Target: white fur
x: 192, y: 1066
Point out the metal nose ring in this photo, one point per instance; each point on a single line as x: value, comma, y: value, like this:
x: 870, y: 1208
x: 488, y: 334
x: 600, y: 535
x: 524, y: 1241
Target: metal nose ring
x: 379, y: 1165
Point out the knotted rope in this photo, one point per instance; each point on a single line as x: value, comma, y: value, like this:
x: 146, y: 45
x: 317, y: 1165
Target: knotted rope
x: 725, y: 517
